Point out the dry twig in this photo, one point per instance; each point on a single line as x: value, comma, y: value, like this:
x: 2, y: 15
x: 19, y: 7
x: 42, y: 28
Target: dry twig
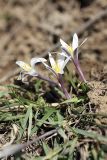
x: 12, y: 149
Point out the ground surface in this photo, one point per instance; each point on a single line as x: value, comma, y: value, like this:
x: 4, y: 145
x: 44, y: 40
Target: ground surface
x: 29, y: 28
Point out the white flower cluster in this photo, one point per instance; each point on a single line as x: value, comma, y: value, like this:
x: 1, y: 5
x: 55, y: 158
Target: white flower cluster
x: 69, y: 53
x: 56, y: 66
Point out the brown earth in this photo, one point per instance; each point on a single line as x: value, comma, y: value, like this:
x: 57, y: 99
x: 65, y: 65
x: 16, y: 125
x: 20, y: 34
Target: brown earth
x: 29, y: 28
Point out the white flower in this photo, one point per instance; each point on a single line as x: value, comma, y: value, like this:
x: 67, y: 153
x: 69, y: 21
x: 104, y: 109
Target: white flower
x: 57, y: 66
x: 72, y: 52
x: 70, y: 48
x: 29, y: 69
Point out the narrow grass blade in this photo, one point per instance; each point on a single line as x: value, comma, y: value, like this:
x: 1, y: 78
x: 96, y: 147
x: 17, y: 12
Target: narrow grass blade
x: 73, y: 145
x: 30, y: 122
x: 73, y: 100
x: 25, y: 121
x: 62, y: 133
x: 46, y: 116
x: 53, y: 153
x: 60, y: 118
x: 46, y: 148
x: 90, y: 134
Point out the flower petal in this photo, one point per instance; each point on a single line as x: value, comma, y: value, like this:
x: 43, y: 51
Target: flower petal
x: 75, y: 41
x: 65, y: 62
x: 33, y: 72
x: 60, y: 63
x: 52, y: 61
x: 67, y: 48
x: 64, y: 45
x: 37, y: 60
x: 26, y: 67
x: 63, y: 53
x: 49, y: 68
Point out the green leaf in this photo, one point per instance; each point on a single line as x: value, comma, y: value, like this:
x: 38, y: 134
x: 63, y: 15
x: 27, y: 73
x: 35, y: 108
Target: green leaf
x: 73, y: 100
x: 53, y: 153
x: 10, y: 117
x: 73, y: 145
x: 72, y: 81
x: 37, y: 158
x: 60, y: 118
x: 24, y: 122
x: 38, y: 85
x: 90, y: 134
x: 46, y: 148
x: 34, y: 130
x: 13, y: 86
x: 62, y: 133
x: 3, y: 93
x: 30, y: 122
x: 85, y: 87
x: 50, y: 111
x: 94, y: 154
x: 20, y: 133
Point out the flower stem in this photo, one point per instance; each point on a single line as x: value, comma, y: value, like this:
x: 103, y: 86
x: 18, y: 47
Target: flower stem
x: 60, y: 79
x: 47, y: 79
x: 76, y: 63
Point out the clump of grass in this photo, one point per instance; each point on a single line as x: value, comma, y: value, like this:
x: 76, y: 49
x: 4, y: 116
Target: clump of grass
x: 75, y: 132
